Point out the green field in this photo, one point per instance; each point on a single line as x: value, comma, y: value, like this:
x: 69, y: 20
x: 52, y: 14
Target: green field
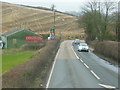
x: 10, y: 60
x: 0, y: 63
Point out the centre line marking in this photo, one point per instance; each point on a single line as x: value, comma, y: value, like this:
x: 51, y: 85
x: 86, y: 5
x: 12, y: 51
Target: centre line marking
x: 94, y: 74
x: 107, y: 86
x: 81, y: 60
x: 86, y: 65
x: 75, y: 53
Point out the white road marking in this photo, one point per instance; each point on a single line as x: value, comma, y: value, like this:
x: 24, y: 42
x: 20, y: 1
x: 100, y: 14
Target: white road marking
x: 48, y: 82
x: 107, y: 86
x: 75, y: 53
x: 94, y: 74
x: 86, y: 65
x: 81, y: 60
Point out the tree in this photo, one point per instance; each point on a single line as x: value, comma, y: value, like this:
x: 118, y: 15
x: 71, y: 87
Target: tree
x: 118, y: 22
x: 96, y: 19
x: 92, y: 14
x: 109, y: 6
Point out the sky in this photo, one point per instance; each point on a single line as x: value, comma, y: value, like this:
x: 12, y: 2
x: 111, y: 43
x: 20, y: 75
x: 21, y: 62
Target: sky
x: 60, y: 5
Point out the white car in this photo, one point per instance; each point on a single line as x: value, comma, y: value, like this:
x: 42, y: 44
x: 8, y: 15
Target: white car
x: 83, y: 47
x: 77, y: 41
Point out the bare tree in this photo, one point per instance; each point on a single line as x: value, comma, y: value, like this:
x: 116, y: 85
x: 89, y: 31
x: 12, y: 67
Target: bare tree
x: 109, y: 6
x: 96, y: 18
x: 118, y: 24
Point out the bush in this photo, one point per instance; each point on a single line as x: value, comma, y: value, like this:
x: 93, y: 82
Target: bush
x: 33, y: 46
x: 108, y: 49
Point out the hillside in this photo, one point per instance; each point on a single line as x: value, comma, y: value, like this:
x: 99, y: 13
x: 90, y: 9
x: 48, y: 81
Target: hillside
x: 39, y: 20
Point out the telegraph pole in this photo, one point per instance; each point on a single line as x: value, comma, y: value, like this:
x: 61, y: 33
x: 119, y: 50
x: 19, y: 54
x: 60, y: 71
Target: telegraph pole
x: 53, y: 9
x: 54, y: 18
x: 52, y: 30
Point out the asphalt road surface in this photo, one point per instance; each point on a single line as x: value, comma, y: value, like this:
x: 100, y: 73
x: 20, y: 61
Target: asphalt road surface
x: 73, y: 69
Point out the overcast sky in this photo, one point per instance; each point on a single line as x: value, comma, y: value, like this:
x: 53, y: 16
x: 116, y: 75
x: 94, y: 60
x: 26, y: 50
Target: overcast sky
x: 61, y: 5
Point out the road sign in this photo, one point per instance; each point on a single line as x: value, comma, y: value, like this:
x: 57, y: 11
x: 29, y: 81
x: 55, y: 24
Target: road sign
x: 52, y: 30
x: 34, y: 38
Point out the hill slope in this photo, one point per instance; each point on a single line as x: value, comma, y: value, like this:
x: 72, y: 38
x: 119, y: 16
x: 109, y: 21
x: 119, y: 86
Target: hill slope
x: 39, y: 20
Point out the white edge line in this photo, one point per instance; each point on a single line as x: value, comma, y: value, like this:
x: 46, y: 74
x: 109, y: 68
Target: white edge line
x: 94, y: 74
x: 86, y: 65
x: 75, y: 53
x: 107, y: 86
x: 48, y: 82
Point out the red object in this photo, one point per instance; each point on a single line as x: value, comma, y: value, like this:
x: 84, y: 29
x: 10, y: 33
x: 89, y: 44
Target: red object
x: 34, y: 38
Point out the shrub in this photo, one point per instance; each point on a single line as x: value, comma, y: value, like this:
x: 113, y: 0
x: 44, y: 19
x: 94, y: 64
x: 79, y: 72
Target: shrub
x: 33, y: 46
x: 108, y: 49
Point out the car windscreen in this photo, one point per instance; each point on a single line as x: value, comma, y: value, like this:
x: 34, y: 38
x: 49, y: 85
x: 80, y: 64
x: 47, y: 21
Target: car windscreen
x: 0, y: 44
x: 0, y: 38
x: 83, y: 44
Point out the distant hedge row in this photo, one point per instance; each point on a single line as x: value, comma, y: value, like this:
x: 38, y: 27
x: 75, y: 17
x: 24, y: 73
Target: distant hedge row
x: 48, y: 9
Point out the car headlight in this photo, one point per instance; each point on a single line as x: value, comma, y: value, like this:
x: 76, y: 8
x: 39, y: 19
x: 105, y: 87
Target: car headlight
x: 80, y: 47
x: 86, y: 47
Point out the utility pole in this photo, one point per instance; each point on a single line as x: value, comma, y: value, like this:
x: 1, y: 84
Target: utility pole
x: 53, y: 29
x: 54, y: 18
x: 53, y: 9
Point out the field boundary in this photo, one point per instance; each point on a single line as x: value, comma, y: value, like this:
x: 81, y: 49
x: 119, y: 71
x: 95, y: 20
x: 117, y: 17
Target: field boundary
x: 32, y: 73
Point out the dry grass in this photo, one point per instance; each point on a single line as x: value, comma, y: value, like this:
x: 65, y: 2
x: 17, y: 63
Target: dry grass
x: 33, y: 72
x: 40, y: 21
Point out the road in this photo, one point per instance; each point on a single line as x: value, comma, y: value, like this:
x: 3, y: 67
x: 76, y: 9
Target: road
x: 73, y: 69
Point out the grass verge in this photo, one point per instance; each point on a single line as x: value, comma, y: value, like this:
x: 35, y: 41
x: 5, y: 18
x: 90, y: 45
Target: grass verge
x: 9, y: 60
